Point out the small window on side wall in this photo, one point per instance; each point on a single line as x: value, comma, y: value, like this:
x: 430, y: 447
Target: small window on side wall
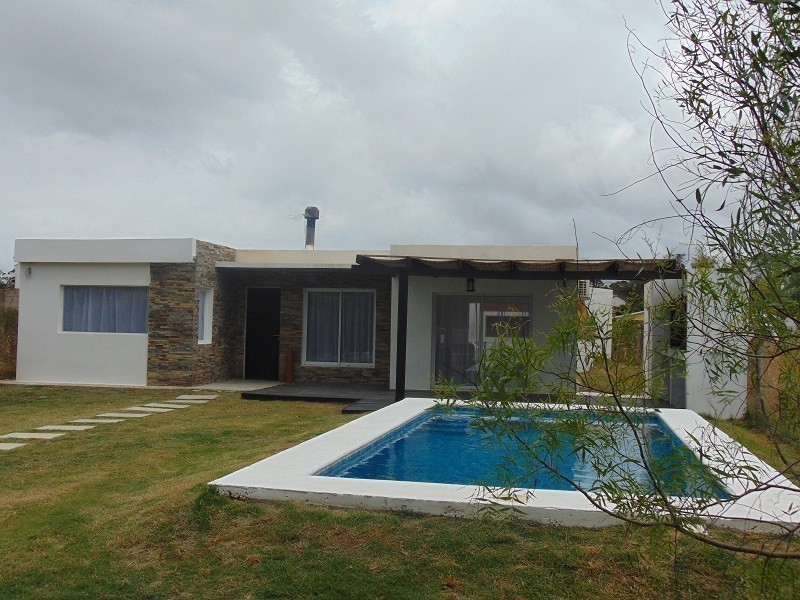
x: 205, y: 316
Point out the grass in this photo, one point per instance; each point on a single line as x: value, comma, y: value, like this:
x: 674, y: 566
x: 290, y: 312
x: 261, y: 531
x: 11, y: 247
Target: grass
x: 121, y: 511
x: 752, y: 437
x: 627, y: 377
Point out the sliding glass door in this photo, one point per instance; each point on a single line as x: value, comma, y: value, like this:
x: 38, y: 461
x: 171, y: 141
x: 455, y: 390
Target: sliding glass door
x: 466, y: 325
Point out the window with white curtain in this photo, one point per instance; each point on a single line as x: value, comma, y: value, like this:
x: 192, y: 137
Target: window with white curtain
x: 105, y: 309
x: 339, y: 327
x: 205, y: 316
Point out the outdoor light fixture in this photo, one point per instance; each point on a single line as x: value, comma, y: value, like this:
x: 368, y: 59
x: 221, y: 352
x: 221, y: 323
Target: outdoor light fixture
x: 470, y: 284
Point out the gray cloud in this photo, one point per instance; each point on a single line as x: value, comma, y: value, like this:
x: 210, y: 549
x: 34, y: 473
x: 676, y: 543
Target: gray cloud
x: 442, y: 122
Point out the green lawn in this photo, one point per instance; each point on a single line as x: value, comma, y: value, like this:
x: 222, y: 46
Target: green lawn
x: 121, y: 511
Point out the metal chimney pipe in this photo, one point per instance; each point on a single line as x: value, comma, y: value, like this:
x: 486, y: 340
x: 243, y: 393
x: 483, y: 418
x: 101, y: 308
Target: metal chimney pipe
x: 311, y: 215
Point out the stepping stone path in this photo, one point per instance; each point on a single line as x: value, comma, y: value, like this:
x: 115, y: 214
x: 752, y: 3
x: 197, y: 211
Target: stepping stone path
x: 49, y: 432
x: 124, y: 415
x: 186, y: 401
x: 9, y: 446
x: 31, y: 436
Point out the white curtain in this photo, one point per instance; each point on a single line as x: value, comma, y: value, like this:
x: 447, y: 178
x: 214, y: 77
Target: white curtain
x: 357, y: 327
x: 105, y: 309
x: 322, y: 327
x: 340, y: 327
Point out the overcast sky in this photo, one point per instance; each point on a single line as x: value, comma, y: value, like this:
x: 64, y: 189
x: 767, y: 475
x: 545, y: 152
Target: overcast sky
x: 408, y: 121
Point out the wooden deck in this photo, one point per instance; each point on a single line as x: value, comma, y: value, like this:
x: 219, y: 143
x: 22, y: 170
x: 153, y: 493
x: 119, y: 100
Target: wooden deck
x: 359, y: 398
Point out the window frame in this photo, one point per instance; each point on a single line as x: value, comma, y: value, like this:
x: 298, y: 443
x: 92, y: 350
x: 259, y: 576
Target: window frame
x: 205, y: 316
x: 340, y: 291
x: 63, y: 292
x: 481, y: 326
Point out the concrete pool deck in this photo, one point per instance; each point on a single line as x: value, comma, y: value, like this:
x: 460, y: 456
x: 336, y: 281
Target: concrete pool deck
x: 289, y: 475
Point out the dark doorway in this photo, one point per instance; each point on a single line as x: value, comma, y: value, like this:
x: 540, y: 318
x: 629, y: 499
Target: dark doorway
x: 262, y: 334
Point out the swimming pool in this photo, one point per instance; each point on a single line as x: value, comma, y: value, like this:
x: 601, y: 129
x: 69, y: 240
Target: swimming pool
x: 454, y: 446
x: 296, y: 474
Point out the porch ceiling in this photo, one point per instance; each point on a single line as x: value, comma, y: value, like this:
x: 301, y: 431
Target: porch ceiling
x: 645, y: 269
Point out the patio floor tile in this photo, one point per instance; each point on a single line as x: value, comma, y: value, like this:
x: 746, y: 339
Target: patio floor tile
x: 66, y: 427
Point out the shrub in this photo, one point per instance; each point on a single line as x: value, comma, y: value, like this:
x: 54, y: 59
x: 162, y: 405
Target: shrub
x: 8, y: 343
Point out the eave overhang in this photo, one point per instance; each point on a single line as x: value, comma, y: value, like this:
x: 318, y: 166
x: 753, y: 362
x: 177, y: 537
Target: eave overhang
x: 628, y: 269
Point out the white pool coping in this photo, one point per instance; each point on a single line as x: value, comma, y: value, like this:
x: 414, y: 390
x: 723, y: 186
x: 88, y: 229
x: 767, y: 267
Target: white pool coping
x: 288, y: 475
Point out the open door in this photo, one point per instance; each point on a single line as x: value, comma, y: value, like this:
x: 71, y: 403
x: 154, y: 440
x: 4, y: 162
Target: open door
x: 262, y: 334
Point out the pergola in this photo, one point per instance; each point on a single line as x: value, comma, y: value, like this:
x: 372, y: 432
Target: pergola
x: 404, y: 267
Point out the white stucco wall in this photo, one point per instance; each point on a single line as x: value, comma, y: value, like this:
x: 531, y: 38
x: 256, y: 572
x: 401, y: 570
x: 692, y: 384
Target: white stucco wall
x: 421, y: 292
x: 691, y: 384
x: 47, y: 354
x: 600, y: 305
x: 701, y: 395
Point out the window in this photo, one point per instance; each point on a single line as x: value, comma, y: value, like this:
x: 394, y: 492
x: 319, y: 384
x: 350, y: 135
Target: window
x: 339, y: 327
x: 467, y: 325
x: 105, y: 309
x: 205, y: 315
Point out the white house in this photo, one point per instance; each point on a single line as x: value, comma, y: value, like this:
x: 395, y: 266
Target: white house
x: 185, y: 312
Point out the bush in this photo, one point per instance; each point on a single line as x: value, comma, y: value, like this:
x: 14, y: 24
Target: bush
x: 8, y: 343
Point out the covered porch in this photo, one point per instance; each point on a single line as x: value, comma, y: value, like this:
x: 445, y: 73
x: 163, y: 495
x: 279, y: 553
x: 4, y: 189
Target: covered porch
x: 418, y: 280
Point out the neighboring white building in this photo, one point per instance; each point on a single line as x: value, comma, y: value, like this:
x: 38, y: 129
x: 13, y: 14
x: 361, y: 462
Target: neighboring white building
x: 599, y: 303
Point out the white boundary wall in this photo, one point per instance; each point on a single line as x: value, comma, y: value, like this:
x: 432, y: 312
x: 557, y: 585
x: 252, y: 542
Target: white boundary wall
x: 700, y: 395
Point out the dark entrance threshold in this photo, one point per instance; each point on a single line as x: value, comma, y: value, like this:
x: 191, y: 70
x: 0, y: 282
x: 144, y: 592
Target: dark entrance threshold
x: 360, y: 397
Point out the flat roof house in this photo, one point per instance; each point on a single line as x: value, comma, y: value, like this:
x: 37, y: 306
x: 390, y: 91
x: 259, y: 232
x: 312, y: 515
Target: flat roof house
x: 187, y: 312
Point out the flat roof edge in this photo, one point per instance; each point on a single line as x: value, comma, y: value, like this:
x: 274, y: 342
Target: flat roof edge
x: 139, y: 250
x: 281, y: 266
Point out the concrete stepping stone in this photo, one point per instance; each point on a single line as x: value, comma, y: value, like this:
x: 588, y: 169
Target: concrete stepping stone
x: 97, y: 421
x: 164, y: 405
x: 197, y: 396
x: 17, y: 435
x: 186, y: 401
x: 124, y: 415
x: 149, y: 409
x: 66, y: 427
x: 10, y: 445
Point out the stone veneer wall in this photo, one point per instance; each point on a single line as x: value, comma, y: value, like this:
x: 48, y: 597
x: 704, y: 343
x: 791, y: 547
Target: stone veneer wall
x: 292, y: 282
x: 173, y: 355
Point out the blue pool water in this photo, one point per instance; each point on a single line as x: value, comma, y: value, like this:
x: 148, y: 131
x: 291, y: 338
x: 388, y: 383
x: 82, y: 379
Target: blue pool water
x: 450, y: 446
